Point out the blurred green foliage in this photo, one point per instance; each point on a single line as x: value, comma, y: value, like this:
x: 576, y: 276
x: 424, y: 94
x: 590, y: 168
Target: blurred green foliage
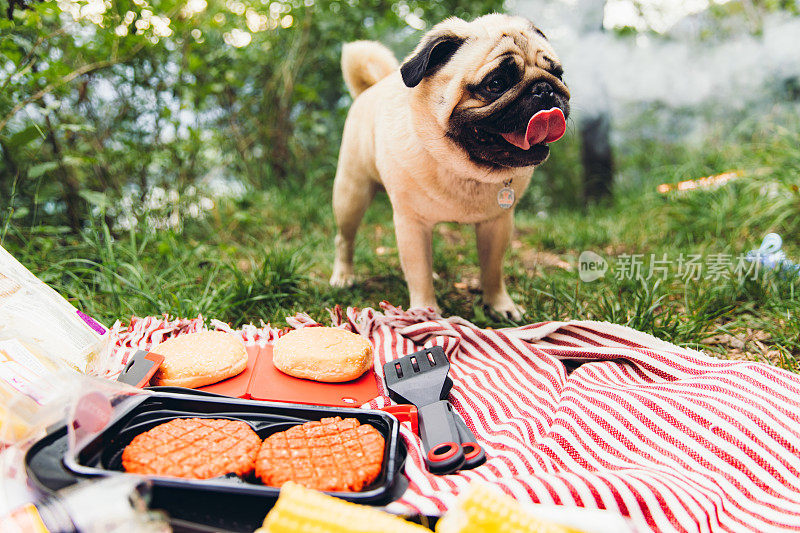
x: 117, y: 115
x: 102, y: 100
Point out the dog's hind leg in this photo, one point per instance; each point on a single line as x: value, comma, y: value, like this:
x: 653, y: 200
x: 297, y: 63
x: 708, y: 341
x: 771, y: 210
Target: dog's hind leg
x: 351, y: 197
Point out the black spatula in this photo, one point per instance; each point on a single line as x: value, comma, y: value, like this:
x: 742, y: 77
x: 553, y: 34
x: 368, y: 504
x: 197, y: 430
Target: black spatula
x: 421, y: 379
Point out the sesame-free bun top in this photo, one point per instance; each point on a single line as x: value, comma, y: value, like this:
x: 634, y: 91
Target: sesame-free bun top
x: 322, y: 354
x: 198, y: 359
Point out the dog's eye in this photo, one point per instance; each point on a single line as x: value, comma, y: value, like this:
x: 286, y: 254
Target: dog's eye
x: 558, y: 72
x: 497, y: 84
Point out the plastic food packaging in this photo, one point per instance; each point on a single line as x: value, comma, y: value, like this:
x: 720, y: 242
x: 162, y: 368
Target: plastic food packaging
x: 103, y: 422
x: 34, y: 390
x: 112, y: 505
x: 33, y: 313
x: 45, y: 346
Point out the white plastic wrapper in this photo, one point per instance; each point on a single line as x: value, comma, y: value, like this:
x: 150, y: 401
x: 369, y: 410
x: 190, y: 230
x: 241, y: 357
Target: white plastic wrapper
x: 45, y: 346
x: 112, y: 505
x: 33, y: 391
x: 32, y: 312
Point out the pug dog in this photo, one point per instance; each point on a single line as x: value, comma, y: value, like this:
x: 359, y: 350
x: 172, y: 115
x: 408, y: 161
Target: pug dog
x: 452, y: 134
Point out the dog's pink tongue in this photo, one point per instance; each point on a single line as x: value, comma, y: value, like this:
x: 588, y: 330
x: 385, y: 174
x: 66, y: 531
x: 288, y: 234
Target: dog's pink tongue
x: 545, y: 126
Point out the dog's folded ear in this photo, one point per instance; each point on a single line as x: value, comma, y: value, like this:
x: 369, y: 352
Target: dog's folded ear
x: 432, y: 53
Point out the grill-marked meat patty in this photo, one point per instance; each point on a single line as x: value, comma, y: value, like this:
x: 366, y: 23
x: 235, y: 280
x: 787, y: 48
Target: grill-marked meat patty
x: 332, y: 454
x: 194, y: 448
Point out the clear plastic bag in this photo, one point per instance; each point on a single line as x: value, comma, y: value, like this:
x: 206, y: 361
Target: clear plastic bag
x: 34, y: 391
x: 33, y: 313
x: 87, y: 405
x: 110, y: 505
x: 100, y: 404
x: 45, y: 346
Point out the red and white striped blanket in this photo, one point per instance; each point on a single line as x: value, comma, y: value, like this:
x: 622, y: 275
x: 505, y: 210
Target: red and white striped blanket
x: 670, y: 437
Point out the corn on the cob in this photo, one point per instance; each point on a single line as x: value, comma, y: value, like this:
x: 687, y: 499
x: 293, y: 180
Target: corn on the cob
x: 302, y: 510
x: 483, y: 510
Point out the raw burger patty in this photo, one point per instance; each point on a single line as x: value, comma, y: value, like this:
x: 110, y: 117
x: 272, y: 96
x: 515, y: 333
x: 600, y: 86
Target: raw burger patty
x: 332, y: 454
x: 194, y: 448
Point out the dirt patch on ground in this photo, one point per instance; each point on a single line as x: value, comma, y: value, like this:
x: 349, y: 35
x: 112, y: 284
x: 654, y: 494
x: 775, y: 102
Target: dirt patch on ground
x: 534, y: 259
x: 747, y: 344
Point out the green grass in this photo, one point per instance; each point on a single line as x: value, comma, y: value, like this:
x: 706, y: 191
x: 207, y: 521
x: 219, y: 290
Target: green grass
x: 269, y: 255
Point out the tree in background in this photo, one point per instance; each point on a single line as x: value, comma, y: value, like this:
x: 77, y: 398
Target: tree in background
x: 102, y: 101
x: 597, y: 156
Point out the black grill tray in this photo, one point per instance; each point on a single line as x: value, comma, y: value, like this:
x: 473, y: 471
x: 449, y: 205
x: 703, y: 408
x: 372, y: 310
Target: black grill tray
x: 222, y: 504
x: 102, y: 455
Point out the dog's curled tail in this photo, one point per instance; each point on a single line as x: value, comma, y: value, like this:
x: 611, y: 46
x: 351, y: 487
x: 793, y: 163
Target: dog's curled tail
x: 365, y: 63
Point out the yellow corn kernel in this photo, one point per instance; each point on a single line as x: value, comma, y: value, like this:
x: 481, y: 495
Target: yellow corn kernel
x: 483, y: 510
x: 302, y: 510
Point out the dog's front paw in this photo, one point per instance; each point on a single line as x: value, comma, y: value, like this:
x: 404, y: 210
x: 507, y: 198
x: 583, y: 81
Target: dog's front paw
x: 342, y: 277
x: 505, y: 308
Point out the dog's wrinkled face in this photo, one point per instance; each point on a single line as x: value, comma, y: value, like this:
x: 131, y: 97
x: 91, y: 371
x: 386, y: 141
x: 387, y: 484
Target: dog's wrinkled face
x: 493, y: 86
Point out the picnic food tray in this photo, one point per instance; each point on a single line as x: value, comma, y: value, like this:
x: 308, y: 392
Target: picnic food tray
x: 102, y: 455
x: 228, y: 503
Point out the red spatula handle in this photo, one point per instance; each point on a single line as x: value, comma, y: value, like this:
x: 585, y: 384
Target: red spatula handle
x: 404, y: 413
